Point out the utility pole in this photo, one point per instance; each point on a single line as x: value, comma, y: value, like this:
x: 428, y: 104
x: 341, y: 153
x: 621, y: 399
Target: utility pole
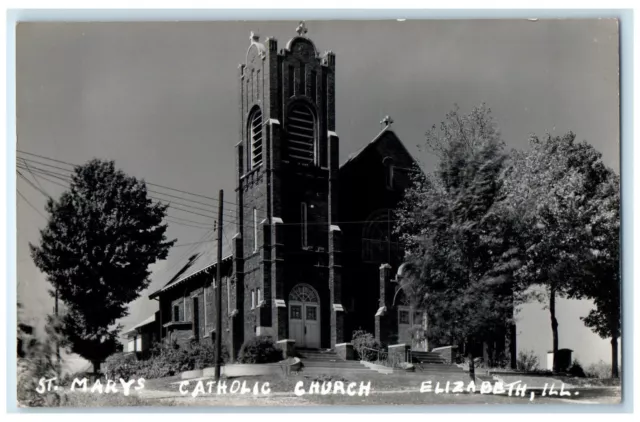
x: 219, y: 291
x: 57, y: 326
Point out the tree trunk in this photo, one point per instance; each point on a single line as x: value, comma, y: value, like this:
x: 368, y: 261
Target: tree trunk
x: 614, y: 357
x: 96, y: 367
x: 513, y: 351
x: 472, y: 369
x: 554, y: 327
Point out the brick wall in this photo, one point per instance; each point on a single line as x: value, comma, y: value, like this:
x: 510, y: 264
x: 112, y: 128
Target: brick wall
x: 182, y: 295
x: 448, y: 353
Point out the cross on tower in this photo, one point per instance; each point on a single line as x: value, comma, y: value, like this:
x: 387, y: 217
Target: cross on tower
x: 387, y: 121
x: 301, y: 29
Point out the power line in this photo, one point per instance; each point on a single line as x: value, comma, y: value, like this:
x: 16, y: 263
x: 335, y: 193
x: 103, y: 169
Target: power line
x: 65, y: 178
x: 34, y: 176
x: 193, y: 243
x: 185, y: 224
x: 186, y: 220
x: 148, y: 183
x: 47, y: 158
x: 25, y: 160
x: 54, y: 182
x: 247, y: 224
x: 33, y: 185
x: 30, y: 204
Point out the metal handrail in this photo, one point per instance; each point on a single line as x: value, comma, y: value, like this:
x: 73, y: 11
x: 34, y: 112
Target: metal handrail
x: 379, y: 352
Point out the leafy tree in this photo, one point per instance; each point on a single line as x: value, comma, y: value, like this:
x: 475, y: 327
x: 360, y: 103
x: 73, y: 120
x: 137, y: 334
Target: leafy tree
x: 601, y: 276
x: 101, y: 237
x: 461, y: 249
x: 550, y: 190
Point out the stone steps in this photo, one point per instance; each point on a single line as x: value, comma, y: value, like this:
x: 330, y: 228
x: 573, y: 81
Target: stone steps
x: 427, y: 357
x: 327, y: 362
x: 326, y: 370
x: 437, y: 368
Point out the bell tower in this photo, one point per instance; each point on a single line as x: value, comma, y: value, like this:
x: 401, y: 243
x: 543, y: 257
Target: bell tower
x: 287, y: 176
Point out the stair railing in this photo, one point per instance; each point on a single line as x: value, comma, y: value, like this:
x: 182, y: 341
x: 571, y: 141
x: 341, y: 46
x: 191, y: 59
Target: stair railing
x: 380, y: 354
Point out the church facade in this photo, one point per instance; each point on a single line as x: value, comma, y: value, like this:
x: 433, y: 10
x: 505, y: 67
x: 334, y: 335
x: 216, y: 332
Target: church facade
x: 312, y: 254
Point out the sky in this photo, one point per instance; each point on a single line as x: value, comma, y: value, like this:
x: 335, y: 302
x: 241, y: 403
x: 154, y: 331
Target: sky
x: 161, y: 99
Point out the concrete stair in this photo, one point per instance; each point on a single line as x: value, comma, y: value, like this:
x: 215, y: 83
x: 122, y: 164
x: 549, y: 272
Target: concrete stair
x: 327, y: 362
x: 432, y: 363
x: 427, y: 357
x: 318, y: 362
x: 437, y: 368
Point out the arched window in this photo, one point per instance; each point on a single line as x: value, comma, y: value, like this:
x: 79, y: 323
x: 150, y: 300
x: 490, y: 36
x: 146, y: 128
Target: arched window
x: 300, y: 126
x: 378, y: 243
x: 255, y: 138
x: 304, y: 293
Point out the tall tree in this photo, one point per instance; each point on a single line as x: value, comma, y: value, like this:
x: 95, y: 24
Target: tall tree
x: 458, y: 243
x: 101, y: 237
x: 601, y: 276
x: 550, y: 190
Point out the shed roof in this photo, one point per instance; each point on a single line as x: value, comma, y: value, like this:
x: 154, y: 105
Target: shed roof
x: 147, y: 321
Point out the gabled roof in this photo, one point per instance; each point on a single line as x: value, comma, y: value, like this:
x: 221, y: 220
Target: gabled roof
x: 385, y: 135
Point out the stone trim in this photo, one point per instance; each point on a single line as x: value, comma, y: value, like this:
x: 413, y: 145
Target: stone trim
x: 264, y: 331
x: 398, y: 345
x: 172, y: 324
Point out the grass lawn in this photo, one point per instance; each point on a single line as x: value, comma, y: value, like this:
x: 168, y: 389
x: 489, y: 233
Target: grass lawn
x: 80, y: 400
x: 406, y: 381
x: 392, y: 389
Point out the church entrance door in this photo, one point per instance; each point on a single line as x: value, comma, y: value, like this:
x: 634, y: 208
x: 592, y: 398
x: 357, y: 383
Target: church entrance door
x: 304, y: 316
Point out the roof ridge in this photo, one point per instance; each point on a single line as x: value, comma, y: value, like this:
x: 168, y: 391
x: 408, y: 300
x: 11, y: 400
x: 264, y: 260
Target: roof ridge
x: 354, y: 155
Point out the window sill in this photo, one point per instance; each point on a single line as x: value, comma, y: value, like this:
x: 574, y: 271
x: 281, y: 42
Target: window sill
x: 250, y: 172
x: 177, y: 324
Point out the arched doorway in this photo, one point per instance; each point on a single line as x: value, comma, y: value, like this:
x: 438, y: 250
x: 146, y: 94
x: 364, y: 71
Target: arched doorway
x: 304, y: 316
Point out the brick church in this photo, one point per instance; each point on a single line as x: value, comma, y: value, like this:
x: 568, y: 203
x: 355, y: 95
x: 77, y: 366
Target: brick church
x: 311, y: 256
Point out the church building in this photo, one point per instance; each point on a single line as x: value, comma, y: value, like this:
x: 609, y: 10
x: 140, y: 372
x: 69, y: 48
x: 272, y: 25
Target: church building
x: 311, y: 255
